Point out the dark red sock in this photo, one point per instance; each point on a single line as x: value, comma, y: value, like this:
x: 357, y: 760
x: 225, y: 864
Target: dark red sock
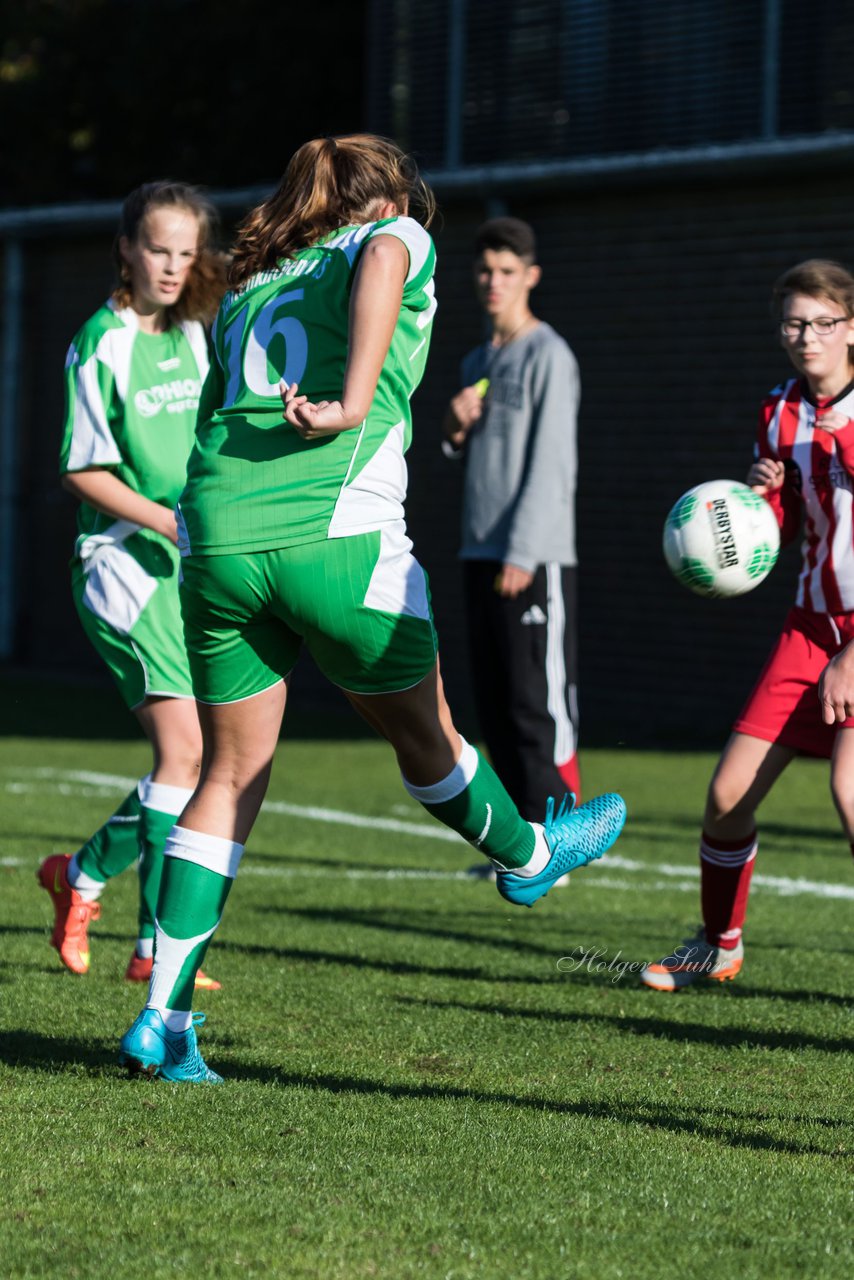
x: 571, y: 777
x: 726, y: 867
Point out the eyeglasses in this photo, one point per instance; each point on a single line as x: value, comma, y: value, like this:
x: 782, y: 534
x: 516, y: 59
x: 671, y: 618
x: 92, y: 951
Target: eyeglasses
x: 822, y: 326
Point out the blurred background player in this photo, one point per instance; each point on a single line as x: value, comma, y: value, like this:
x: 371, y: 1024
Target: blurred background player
x: 133, y: 378
x: 805, y: 463
x: 514, y: 423
x: 333, y: 292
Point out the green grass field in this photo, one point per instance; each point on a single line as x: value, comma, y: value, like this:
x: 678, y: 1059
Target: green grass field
x: 416, y: 1086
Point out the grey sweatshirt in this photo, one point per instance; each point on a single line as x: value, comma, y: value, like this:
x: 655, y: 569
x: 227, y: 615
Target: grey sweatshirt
x: 521, y: 457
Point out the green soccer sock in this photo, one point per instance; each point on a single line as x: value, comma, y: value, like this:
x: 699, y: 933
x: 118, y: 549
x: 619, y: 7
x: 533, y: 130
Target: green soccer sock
x: 473, y: 802
x: 162, y: 806
x: 198, y: 873
x: 115, y: 845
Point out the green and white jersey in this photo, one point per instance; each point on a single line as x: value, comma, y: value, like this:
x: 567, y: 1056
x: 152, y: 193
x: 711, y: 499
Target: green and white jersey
x: 253, y: 484
x: 131, y: 403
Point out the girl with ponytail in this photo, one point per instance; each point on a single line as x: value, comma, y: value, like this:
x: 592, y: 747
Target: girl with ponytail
x: 292, y: 530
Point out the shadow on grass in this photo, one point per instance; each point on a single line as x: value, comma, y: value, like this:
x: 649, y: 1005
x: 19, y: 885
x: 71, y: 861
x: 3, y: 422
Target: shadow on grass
x: 54, y: 1056
x: 658, y: 1028
x: 705, y: 1122
x: 406, y: 922
x: 35, y: 1052
x: 405, y: 968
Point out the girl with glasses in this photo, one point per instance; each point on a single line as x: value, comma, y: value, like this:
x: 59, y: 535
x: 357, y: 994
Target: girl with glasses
x: 805, y: 468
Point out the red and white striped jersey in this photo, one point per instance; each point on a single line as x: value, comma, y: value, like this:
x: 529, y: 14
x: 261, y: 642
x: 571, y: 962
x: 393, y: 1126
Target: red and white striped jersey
x: 820, y: 475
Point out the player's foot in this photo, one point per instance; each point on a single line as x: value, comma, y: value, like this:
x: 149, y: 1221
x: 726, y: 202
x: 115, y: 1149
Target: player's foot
x: 71, y: 914
x: 139, y: 970
x: 693, y: 959
x: 575, y: 837
x: 486, y: 871
x: 150, y: 1047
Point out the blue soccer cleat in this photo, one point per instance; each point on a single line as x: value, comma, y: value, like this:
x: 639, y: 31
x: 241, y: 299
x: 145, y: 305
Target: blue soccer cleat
x: 575, y: 837
x: 149, y: 1046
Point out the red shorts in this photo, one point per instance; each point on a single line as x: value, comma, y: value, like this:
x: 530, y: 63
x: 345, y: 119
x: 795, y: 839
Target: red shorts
x: 784, y: 706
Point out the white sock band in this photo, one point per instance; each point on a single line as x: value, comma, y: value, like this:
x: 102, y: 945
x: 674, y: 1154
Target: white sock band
x: 539, y: 859
x: 165, y: 799
x: 212, y: 852
x: 90, y: 890
x: 456, y: 782
x: 177, y: 1020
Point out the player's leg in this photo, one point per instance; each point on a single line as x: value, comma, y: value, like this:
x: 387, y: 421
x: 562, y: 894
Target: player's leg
x: 368, y: 624
x: 204, y: 848
x: 235, y: 647
x: 203, y: 854
x: 842, y: 780
x: 172, y: 727
x: 75, y: 884
x: 459, y: 788
x: 746, y: 772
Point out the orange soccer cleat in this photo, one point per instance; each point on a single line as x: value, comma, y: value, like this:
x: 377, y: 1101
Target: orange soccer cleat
x: 139, y: 970
x: 693, y: 959
x: 72, y: 915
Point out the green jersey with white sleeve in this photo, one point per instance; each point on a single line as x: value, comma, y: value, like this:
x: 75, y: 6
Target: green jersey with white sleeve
x: 130, y: 406
x: 253, y: 483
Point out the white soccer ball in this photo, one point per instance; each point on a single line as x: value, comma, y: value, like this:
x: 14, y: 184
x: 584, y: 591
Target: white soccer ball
x: 721, y: 539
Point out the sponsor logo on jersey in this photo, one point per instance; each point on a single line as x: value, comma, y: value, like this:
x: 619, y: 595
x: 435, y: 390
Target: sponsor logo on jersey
x: 177, y: 396
x: 166, y: 366
x: 833, y: 478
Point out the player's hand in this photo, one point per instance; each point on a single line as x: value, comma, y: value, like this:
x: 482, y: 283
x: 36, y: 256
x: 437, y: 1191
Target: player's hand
x: 831, y: 421
x: 464, y: 411
x: 167, y: 525
x: 766, y: 475
x: 512, y: 581
x: 314, y: 421
x: 836, y: 687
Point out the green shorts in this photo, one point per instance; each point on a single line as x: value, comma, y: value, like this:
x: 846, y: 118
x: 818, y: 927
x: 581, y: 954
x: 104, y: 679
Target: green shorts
x: 361, y: 603
x: 128, y: 604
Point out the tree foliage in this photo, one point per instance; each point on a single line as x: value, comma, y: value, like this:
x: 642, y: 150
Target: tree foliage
x: 99, y: 95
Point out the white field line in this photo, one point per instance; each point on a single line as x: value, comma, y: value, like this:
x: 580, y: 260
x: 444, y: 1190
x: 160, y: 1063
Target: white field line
x: 74, y: 781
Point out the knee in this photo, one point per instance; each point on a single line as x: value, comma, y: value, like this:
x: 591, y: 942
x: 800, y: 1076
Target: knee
x: 182, y: 757
x: 842, y: 792
x: 726, y: 800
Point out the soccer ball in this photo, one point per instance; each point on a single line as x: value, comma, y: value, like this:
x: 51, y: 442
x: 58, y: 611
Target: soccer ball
x: 721, y: 539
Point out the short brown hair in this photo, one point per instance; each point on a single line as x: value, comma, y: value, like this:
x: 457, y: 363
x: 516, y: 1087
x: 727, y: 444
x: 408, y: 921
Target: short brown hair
x: 817, y: 278
x: 507, y: 233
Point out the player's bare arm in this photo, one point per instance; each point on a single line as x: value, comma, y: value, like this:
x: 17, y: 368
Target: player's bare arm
x: 374, y: 309
x: 104, y: 491
x: 836, y: 687
x: 766, y: 475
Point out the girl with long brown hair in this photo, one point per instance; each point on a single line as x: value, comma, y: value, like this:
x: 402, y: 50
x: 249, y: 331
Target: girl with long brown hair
x: 133, y: 378
x: 293, y: 531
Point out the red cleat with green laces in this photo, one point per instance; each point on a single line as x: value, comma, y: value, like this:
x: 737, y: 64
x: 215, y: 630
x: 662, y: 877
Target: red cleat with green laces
x: 71, y: 914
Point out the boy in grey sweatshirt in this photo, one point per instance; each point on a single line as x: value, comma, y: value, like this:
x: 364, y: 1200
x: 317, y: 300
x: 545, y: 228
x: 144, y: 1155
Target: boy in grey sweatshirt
x: 514, y: 425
